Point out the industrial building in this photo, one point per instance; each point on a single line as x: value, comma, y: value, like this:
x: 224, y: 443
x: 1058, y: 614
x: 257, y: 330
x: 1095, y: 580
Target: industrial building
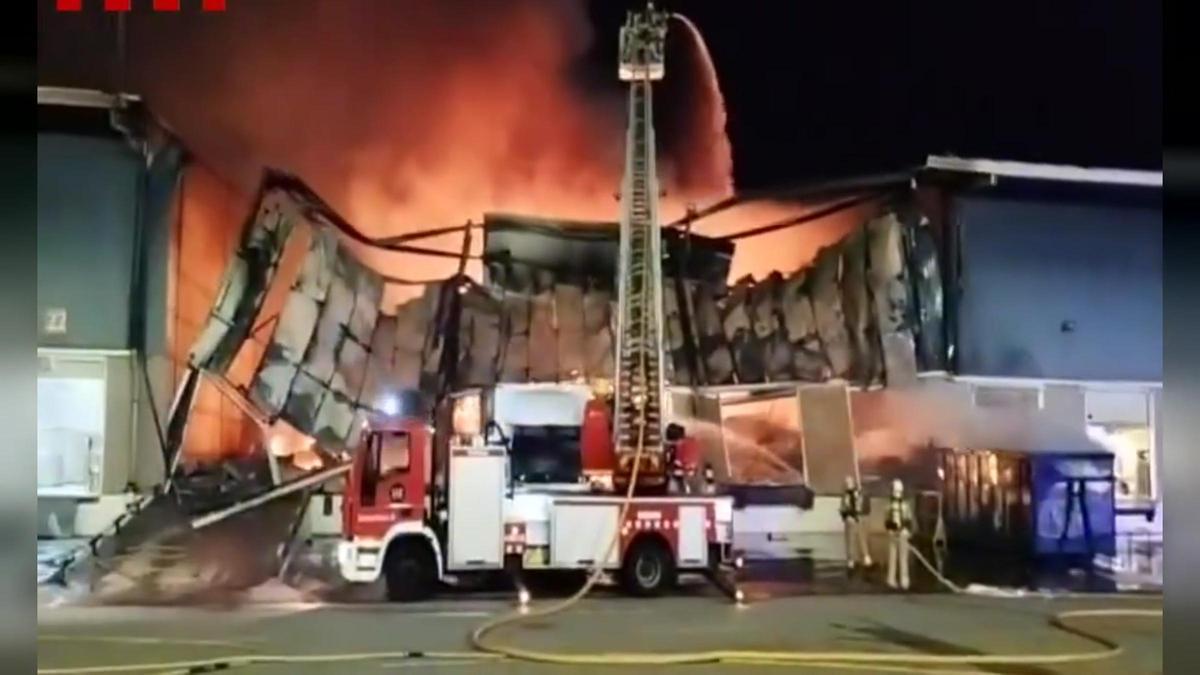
x: 1029, y: 318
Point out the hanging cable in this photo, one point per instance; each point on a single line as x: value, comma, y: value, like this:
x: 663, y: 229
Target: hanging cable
x: 425, y: 234
x: 805, y: 217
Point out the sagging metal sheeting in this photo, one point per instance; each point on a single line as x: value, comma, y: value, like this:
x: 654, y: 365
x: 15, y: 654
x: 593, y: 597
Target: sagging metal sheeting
x: 315, y: 369
x: 867, y: 310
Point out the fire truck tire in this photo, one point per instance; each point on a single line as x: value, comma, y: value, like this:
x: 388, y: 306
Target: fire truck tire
x: 410, y: 570
x: 648, y: 568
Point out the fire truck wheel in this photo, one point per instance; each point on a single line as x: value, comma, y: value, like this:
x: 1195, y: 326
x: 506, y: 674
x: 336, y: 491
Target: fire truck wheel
x: 410, y: 570
x: 648, y: 567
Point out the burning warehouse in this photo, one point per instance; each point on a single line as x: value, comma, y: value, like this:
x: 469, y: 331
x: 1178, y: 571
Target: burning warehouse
x: 302, y: 338
x: 883, y: 302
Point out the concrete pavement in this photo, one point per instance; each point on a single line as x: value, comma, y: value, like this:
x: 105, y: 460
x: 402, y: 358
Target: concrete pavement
x: 937, y: 624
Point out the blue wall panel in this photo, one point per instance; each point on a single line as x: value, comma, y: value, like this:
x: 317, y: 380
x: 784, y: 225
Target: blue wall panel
x: 87, y: 197
x: 1029, y: 265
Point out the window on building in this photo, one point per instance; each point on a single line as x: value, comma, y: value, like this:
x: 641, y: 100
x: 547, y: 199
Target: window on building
x: 1121, y: 422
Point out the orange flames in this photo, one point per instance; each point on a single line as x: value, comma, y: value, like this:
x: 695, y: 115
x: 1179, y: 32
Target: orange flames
x: 410, y: 115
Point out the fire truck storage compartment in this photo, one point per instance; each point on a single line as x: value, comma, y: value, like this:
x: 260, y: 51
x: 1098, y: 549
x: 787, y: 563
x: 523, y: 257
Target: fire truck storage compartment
x: 477, y: 487
x: 580, y: 533
x: 693, y: 539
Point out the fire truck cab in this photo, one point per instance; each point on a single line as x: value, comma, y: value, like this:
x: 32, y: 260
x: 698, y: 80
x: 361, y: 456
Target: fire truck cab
x: 425, y: 505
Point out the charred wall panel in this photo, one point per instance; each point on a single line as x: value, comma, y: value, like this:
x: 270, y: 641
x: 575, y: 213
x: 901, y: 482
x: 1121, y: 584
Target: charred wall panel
x: 715, y: 354
x: 825, y: 293
x: 382, y: 378
x: 479, y: 340
x: 676, y: 368
x: 313, y: 373
x: 598, y: 326
x: 246, y: 280
x: 413, y: 320
x: 543, y: 338
x: 568, y: 311
x: 296, y: 325
x: 515, y: 359
x: 890, y: 291
x: 856, y: 305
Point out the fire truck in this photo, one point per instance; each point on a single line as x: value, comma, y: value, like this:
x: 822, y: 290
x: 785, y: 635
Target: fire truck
x: 518, y: 489
x: 533, y: 476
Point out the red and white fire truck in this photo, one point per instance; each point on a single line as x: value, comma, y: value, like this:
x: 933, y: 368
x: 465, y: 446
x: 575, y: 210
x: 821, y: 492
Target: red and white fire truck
x: 518, y: 481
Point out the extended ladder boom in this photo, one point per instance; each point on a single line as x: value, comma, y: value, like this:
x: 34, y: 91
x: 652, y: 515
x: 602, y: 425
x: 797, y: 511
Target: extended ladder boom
x: 638, y: 414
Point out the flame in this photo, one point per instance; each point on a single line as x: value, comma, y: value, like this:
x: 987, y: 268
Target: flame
x: 406, y: 116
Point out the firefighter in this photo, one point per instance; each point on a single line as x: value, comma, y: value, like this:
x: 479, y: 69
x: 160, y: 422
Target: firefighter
x: 899, y: 527
x: 684, y: 459
x: 852, y: 513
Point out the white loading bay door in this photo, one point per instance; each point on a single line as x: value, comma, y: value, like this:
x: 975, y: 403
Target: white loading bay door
x: 71, y: 407
x: 693, y: 537
x: 477, y: 487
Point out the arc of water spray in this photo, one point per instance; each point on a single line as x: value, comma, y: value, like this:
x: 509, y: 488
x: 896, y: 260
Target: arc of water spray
x: 719, y: 114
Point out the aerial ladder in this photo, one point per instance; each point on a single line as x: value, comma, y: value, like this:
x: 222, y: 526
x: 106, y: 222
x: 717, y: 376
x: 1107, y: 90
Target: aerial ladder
x: 639, y: 388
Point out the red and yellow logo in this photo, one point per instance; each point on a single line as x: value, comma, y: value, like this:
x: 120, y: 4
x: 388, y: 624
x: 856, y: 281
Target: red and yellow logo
x: 127, y: 5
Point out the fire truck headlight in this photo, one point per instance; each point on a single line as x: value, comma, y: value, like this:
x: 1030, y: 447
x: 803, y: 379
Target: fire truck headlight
x: 523, y: 597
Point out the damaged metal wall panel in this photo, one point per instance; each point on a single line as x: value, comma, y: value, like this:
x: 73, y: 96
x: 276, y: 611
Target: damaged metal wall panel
x: 441, y: 318
x: 382, y: 379
x: 598, y: 318
x: 245, y: 282
x: 825, y: 293
x: 856, y: 306
x: 515, y: 359
x: 926, y: 276
x: 296, y: 325
x: 413, y: 320
x: 479, y: 340
x: 714, y: 350
x: 890, y: 291
x: 739, y: 334
x: 809, y: 362
x: 766, y: 320
x: 568, y: 308
x: 675, y: 366
x: 323, y: 394
x: 543, y: 338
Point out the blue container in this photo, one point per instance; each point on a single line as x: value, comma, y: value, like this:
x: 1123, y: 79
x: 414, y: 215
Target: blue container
x: 1073, y: 505
x: 1043, y: 504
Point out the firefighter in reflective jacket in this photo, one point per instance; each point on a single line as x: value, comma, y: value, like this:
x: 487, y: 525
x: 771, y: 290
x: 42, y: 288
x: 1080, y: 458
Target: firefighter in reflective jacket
x: 852, y: 512
x: 899, y: 527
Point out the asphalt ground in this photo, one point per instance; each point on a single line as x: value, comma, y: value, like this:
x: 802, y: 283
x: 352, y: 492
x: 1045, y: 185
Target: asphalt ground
x: 115, y: 636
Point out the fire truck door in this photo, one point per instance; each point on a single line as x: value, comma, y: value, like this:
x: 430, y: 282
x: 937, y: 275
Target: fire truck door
x: 477, y: 488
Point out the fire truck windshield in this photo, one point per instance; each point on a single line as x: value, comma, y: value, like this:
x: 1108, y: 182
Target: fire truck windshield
x: 546, y: 454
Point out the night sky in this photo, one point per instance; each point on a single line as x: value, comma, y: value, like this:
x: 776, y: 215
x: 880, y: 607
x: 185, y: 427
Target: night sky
x: 819, y: 89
